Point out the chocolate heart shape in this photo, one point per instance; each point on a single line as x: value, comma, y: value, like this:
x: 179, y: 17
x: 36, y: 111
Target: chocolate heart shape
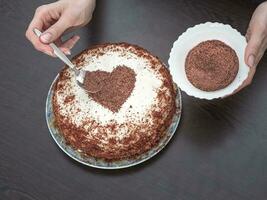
x: 114, y: 87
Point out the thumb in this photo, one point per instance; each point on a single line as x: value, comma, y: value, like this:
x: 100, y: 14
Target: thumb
x: 55, y: 31
x: 253, y: 48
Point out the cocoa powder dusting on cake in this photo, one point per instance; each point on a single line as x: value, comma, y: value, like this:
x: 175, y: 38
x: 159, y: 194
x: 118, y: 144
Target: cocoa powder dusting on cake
x: 142, y: 136
x: 115, y: 89
x: 94, y: 81
x: 69, y: 99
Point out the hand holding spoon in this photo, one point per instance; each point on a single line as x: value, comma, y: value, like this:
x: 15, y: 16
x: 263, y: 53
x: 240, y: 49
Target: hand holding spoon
x: 79, y: 73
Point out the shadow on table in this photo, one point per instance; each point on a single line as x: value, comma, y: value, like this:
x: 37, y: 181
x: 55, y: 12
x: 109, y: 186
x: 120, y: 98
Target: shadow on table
x: 209, y: 123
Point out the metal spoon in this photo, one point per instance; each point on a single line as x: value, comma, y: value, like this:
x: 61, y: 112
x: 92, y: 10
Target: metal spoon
x: 79, y: 73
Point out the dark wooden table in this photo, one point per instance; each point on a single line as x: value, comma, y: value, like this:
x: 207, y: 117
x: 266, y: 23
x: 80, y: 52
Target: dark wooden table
x: 220, y: 148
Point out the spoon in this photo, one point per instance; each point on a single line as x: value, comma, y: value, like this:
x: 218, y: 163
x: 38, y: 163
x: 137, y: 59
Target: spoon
x: 79, y: 73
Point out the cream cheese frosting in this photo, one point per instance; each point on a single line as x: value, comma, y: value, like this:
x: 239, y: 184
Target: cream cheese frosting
x: 139, y: 123
x: 143, y: 96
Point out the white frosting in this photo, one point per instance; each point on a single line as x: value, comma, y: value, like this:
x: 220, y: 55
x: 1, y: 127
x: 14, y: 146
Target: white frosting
x: 142, y: 98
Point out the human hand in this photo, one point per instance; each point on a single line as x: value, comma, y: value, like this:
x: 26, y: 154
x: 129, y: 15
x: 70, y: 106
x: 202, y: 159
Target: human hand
x: 55, y: 19
x: 257, y: 41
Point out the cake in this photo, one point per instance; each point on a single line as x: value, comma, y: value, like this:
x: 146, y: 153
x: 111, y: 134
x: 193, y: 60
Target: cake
x: 129, y: 114
x: 211, y: 65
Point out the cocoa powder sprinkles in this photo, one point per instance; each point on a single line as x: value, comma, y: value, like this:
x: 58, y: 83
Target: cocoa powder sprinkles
x: 211, y: 65
x: 94, y: 81
x: 111, y: 132
x: 114, y: 88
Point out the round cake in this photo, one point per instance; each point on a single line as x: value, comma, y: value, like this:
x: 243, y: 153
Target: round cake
x: 211, y: 65
x: 128, y: 115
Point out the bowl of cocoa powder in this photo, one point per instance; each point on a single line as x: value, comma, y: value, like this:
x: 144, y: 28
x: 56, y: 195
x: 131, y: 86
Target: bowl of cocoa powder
x: 207, y: 60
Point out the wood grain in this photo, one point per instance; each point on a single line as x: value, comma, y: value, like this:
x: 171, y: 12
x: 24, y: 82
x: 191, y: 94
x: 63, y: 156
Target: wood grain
x: 220, y: 148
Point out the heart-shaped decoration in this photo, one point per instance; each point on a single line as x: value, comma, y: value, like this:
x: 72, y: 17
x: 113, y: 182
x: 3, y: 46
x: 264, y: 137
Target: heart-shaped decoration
x: 114, y: 87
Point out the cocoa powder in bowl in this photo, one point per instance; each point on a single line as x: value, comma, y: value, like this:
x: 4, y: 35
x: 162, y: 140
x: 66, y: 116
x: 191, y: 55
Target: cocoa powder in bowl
x: 211, y: 65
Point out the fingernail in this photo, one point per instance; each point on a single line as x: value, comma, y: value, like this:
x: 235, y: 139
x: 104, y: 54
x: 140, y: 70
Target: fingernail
x: 46, y: 37
x: 50, y: 53
x: 53, y: 55
x: 77, y: 38
x: 251, y: 60
x: 67, y: 52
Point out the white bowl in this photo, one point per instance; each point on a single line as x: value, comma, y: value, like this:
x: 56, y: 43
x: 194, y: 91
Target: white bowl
x: 193, y: 36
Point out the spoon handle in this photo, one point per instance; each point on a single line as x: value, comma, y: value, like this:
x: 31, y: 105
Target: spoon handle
x: 58, y: 52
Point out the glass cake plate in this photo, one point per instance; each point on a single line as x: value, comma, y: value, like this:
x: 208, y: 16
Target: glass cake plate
x: 100, y: 163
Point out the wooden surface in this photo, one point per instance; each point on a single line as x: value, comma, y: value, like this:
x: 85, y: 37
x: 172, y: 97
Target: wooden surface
x: 220, y: 148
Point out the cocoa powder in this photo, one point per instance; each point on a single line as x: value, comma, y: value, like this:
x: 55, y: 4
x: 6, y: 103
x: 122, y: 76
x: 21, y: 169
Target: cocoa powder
x: 94, y: 81
x: 129, y: 147
x: 115, y: 87
x: 211, y: 65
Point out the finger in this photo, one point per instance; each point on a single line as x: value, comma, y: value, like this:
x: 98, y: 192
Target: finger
x: 50, y: 53
x: 38, y: 23
x: 64, y: 49
x: 56, y: 30
x: 248, y: 34
x: 248, y: 80
x: 58, y: 42
x: 253, y: 48
x: 38, y: 45
x: 69, y: 44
